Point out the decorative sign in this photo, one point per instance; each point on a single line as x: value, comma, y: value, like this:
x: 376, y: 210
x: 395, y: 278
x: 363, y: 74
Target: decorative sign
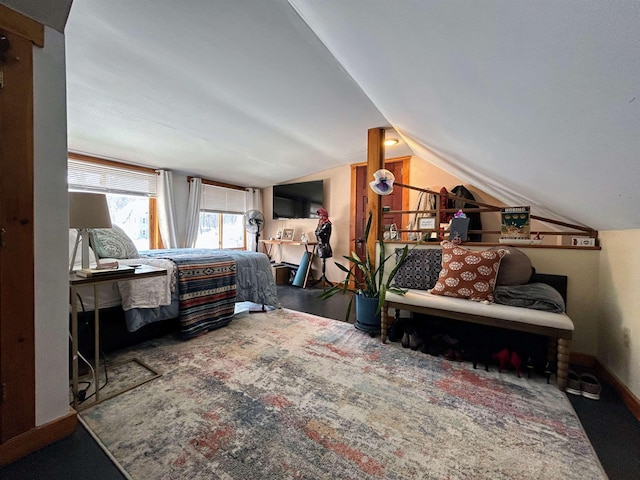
x: 427, y: 223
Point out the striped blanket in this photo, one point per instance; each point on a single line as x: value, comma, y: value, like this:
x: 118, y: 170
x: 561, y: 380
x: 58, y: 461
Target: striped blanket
x: 207, y: 292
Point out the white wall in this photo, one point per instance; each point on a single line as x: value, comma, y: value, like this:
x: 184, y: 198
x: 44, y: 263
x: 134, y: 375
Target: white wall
x: 51, y: 232
x: 619, y: 304
x: 337, y: 191
x: 583, y: 272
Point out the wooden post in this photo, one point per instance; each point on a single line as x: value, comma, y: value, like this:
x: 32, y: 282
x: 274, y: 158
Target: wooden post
x: 375, y: 161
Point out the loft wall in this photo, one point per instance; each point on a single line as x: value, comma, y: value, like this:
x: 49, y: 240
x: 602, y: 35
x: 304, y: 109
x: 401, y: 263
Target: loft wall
x: 337, y: 201
x: 50, y: 229
x: 619, y: 306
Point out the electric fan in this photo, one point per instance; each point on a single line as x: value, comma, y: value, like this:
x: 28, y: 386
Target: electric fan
x: 254, y: 223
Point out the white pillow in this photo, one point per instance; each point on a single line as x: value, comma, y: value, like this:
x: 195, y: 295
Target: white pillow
x: 78, y: 260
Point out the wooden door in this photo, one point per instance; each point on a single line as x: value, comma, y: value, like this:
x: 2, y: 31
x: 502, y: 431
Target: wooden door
x: 397, y: 200
x: 17, y: 349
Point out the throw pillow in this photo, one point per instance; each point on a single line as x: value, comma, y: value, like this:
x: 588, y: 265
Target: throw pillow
x: 515, y: 267
x: 113, y: 243
x: 467, y: 273
x: 420, y: 270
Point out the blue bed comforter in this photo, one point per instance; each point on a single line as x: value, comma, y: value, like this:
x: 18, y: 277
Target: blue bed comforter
x: 254, y: 282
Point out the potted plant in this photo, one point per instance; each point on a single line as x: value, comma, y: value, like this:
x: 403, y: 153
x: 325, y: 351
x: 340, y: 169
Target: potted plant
x: 370, y: 293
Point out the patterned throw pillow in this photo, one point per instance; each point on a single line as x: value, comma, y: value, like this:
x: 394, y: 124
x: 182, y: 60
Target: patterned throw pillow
x: 467, y: 273
x: 420, y: 270
x: 113, y: 243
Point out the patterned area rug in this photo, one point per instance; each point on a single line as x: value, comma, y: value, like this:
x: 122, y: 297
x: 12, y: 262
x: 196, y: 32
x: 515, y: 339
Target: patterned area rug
x: 287, y: 395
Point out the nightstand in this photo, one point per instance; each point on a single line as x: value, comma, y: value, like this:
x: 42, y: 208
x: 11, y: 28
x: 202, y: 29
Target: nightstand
x: 75, y: 281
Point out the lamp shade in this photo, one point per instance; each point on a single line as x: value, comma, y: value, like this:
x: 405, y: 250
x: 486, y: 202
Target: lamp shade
x: 88, y: 210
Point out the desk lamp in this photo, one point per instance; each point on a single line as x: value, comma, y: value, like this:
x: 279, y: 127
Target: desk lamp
x: 87, y: 210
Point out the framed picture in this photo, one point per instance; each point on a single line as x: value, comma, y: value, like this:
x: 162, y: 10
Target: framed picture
x: 287, y: 234
x: 427, y: 223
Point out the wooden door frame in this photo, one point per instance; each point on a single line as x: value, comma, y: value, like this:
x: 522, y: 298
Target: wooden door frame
x: 19, y: 435
x: 17, y: 291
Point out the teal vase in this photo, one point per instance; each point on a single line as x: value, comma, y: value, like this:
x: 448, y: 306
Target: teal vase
x: 366, y: 318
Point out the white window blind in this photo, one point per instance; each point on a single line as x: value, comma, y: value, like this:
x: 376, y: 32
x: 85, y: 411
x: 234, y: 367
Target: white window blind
x: 94, y: 177
x: 223, y: 200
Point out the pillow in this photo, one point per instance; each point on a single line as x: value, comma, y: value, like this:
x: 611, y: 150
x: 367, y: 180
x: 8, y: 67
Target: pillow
x: 466, y: 273
x: 420, y: 270
x: 77, y: 264
x: 113, y: 243
x: 515, y: 267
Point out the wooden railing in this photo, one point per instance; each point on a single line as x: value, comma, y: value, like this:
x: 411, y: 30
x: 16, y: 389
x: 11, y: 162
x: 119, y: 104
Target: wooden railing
x: 566, y: 229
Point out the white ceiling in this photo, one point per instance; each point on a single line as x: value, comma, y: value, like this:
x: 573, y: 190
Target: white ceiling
x: 533, y: 102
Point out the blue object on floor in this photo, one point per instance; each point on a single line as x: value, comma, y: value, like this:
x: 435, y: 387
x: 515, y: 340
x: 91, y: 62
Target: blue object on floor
x: 298, y: 280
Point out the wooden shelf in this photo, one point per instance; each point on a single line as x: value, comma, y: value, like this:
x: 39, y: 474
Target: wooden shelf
x: 564, y: 229
x: 491, y: 244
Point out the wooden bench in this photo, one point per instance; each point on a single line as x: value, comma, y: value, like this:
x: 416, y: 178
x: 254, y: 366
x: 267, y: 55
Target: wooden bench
x: 558, y: 327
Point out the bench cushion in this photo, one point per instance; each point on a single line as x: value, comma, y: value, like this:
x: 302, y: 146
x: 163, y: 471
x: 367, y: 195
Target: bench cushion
x: 421, y: 298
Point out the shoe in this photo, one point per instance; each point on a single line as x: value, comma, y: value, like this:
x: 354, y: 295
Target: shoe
x: 395, y: 331
x: 530, y: 367
x: 415, y: 341
x: 405, y: 339
x: 549, y: 369
x: 516, y: 362
x: 574, y: 386
x: 449, y: 340
x: 590, y: 386
x: 502, y: 357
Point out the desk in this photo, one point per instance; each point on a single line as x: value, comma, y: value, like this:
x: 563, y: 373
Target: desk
x: 75, y: 281
x: 267, y: 246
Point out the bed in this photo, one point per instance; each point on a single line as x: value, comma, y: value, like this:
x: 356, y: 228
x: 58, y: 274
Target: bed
x: 198, y: 294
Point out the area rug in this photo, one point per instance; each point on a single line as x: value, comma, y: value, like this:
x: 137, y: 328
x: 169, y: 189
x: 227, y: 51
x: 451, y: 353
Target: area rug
x: 288, y: 395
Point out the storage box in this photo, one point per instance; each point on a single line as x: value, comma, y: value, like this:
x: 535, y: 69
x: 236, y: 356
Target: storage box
x: 281, y: 273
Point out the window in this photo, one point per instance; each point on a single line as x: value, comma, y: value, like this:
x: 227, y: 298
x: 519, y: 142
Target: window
x: 130, y: 192
x: 221, y: 218
x: 131, y: 213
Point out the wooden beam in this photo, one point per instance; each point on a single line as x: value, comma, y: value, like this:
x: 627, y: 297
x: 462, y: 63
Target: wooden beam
x: 21, y: 25
x: 375, y: 161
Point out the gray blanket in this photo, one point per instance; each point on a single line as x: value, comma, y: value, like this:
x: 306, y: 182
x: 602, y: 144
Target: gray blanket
x: 538, y: 296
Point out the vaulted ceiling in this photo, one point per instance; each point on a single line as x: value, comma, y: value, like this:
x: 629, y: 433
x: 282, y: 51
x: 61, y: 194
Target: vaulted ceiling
x: 536, y: 103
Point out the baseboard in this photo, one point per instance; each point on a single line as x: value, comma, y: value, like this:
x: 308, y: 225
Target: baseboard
x: 37, y: 438
x: 628, y: 398
x: 605, y: 375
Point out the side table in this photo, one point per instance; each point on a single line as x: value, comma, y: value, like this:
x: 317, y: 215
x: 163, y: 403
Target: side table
x: 309, y: 248
x: 75, y: 281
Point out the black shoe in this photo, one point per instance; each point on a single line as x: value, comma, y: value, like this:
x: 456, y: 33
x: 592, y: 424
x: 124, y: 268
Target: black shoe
x: 415, y: 341
x: 395, y: 331
x: 405, y: 339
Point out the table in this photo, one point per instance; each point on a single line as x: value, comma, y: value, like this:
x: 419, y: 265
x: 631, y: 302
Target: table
x: 268, y: 245
x: 75, y: 281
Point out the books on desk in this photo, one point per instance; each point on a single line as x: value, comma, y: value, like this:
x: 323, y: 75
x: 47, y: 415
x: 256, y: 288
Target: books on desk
x: 104, y: 272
